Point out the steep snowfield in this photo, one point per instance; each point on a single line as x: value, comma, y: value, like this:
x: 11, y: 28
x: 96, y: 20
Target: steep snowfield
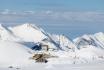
x: 94, y: 40
x: 28, y: 32
x: 64, y: 42
x: 5, y: 34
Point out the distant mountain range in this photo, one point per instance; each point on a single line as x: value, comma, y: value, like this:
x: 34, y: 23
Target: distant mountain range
x: 32, y: 33
x: 22, y: 38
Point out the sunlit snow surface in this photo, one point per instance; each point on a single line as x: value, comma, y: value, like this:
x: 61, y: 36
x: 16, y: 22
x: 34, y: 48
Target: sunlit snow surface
x: 83, y: 53
x: 58, y: 67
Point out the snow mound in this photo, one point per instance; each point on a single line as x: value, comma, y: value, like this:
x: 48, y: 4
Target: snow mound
x: 90, y: 54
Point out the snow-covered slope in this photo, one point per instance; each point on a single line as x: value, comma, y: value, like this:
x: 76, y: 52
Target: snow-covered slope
x: 28, y: 32
x: 32, y: 33
x: 81, y: 50
x: 64, y: 42
x: 90, y: 47
x: 6, y: 34
x: 100, y: 38
x: 95, y: 40
x: 89, y: 54
x: 12, y: 53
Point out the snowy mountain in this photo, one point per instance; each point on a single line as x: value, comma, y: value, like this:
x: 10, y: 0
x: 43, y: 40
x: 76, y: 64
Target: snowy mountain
x: 90, y: 47
x: 64, y: 42
x: 15, y: 44
x: 85, y: 41
x: 100, y: 38
x: 28, y: 32
x: 96, y: 40
x: 6, y: 34
x: 33, y: 34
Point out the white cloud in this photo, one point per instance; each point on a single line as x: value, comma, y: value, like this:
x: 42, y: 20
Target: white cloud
x: 89, y: 16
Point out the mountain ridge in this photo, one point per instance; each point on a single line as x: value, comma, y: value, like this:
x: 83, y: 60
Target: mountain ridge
x: 31, y: 33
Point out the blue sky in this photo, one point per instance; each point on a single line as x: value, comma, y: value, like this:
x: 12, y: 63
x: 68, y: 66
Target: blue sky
x: 80, y: 5
x: 70, y: 17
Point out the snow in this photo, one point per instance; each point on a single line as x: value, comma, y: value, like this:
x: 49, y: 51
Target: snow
x: 90, y: 53
x: 28, y: 33
x: 95, y: 40
x: 12, y: 53
x: 64, y: 43
x: 5, y: 34
x: 100, y: 37
x: 83, y: 53
x: 59, y: 67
